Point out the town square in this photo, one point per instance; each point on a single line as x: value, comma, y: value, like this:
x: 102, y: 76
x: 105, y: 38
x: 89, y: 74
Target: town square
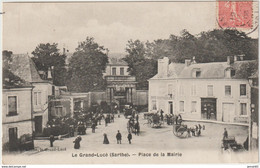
x: 130, y: 83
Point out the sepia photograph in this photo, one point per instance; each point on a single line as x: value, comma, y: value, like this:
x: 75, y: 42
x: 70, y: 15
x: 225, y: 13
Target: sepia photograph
x: 105, y: 82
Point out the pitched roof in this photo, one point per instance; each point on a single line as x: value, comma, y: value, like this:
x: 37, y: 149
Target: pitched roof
x: 23, y: 66
x: 212, y: 70
x: 12, y: 81
x: 117, y: 61
x: 208, y: 70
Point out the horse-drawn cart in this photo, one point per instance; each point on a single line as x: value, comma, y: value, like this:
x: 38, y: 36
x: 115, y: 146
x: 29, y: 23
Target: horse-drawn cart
x: 181, y: 131
x: 153, y: 120
x: 230, y: 144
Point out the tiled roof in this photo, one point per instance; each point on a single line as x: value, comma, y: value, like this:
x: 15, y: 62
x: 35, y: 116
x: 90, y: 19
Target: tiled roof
x: 23, y: 66
x: 12, y: 81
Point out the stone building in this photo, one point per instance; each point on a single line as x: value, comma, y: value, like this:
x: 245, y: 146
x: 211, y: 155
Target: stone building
x: 121, y: 87
x: 16, y: 110
x: 210, y: 91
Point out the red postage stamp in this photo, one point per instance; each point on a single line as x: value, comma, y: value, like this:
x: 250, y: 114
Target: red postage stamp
x: 235, y: 14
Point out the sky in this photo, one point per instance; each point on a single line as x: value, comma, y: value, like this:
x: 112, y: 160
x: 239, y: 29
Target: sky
x: 112, y: 24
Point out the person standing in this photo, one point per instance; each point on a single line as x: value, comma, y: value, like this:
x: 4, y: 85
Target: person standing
x: 137, y: 117
x: 52, y: 139
x: 106, y: 141
x: 93, y: 126
x: 77, y: 142
x: 225, y: 134
x: 129, y: 137
x: 118, y: 137
x: 161, y: 114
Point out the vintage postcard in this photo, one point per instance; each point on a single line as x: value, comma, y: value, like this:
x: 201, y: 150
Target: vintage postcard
x: 130, y: 82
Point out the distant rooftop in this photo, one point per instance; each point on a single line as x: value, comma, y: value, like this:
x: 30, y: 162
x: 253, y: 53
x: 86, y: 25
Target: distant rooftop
x: 23, y: 67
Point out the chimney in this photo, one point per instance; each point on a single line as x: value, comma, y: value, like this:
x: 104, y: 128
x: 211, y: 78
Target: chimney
x: 49, y: 74
x: 187, y: 62
x: 163, y: 65
x: 228, y: 60
x: 236, y: 58
x: 193, y: 60
x: 64, y: 50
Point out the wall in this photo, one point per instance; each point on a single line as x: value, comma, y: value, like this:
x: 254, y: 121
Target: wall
x: 109, y: 69
x: 141, y: 97
x: 22, y: 128
x: 23, y: 121
x: 158, y: 90
x: 42, y: 108
x: 23, y: 104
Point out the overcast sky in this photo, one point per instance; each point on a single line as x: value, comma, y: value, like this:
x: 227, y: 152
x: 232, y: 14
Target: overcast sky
x: 111, y: 24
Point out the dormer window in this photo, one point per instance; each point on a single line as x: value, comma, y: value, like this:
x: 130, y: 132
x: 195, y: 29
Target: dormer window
x: 196, y: 73
x: 233, y: 73
x: 229, y: 73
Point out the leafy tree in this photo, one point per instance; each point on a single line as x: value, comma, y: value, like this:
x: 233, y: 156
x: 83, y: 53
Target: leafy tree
x: 86, y: 66
x: 136, y: 53
x: 140, y: 65
x: 210, y: 46
x: 47, y: 56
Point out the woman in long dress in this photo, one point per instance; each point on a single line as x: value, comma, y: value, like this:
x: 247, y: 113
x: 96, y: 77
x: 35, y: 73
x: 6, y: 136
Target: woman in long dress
x: 106, y: 141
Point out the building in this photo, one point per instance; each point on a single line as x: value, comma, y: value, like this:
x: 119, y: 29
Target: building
x: 121, y: 87
x: 16, y: 110
x: 23, y: 67
x: 211, y: 91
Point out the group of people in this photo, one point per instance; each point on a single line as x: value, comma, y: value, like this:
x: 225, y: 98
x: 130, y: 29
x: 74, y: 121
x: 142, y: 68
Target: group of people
x: 133, y: 125
x: 118, y: 138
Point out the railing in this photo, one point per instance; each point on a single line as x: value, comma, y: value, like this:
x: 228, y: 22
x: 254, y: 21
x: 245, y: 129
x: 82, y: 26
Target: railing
x: 120, y: 78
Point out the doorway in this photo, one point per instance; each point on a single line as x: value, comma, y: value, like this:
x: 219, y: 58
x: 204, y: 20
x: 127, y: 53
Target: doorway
x: 209, y: 108
x: 228, y: 112
x: 170, y: 107
x: 38, y: 124
x: 13, y: 138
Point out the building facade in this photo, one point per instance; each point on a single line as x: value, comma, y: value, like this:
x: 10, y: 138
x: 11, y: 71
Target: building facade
x: 121, y: 87
x: 16, y: 110
x: 23, y: 67
x: 210, y: 91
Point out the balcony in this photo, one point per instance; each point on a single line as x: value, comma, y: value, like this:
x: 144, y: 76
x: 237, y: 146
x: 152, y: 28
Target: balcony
x: 120, y: 78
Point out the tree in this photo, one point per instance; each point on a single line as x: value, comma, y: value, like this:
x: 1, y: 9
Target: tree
x: 47, y: 56
x: 140, y: 64
x: 86, y: 66
x: 136, y: 53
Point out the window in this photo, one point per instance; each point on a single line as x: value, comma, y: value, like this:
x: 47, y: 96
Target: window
x: 37, y: 98
x: 181, y: 106
x: 181, y: 90
x: 242, y: 89
x: 170, y: 90
x: 210, y: 90
x: 12, y: 105
x: 227, y: 90
x: 233, y: 73
x: 58, y: 111
x: 193, y: 90
x: 154, y: 105
x: 121, y: 71
x: 198, y: 74
x: 193, y: 106
x: 113, y: 71
x: 243, y: 110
